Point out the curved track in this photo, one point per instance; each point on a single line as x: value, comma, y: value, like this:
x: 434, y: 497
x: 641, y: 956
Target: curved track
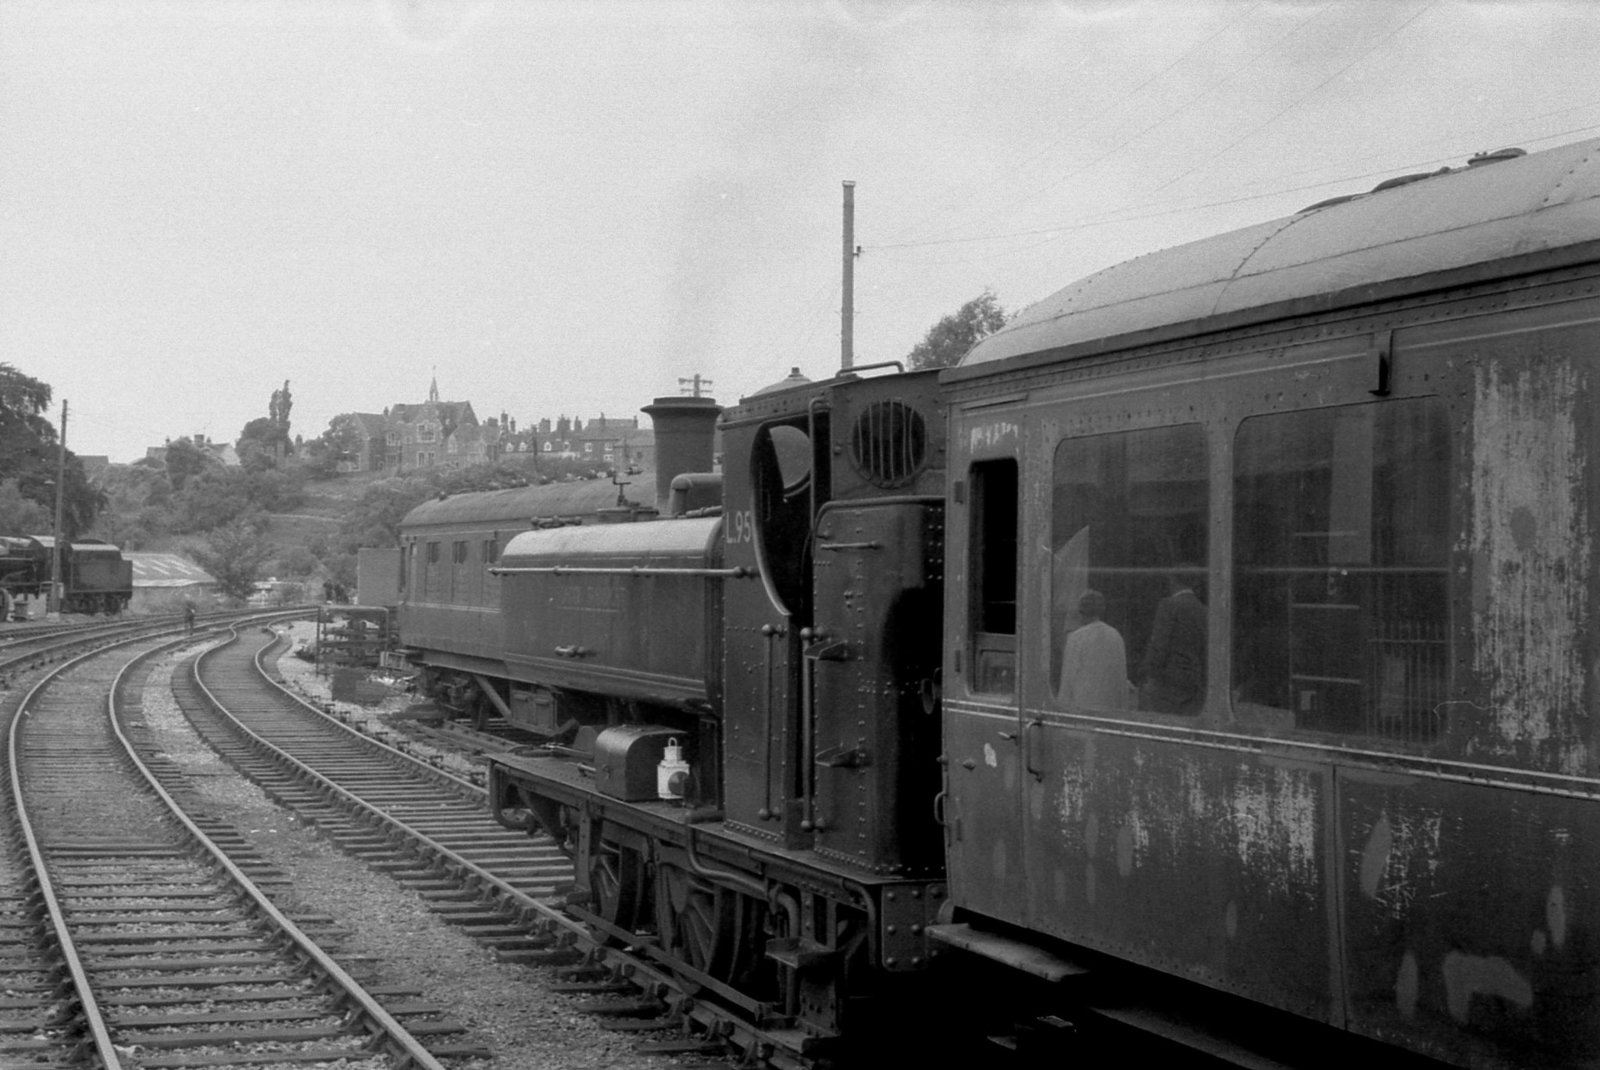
x: 433, y: 832
x: 130, y: 936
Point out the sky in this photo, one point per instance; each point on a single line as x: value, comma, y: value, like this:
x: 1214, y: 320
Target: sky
x: 554, y: 207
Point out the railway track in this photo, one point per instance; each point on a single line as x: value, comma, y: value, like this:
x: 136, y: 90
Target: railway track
x: 26, y: 647
x: 431, y: 831
x: 132, y: 935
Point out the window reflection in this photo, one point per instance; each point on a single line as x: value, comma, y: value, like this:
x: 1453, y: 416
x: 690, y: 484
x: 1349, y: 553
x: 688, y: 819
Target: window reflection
x: 1127, y: 584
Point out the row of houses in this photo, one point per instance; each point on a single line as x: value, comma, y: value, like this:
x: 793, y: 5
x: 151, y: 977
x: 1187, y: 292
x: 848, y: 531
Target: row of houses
x: 449, y: 434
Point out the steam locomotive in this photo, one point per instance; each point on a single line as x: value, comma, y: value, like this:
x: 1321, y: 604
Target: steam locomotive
x: 95, y: 578
x: 1221, y: 634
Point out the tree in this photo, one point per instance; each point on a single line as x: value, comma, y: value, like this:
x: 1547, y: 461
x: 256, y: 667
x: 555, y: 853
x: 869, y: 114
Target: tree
x: 185, y: 459
x: 278, y: 408
x: 374, y: 520
x: 139, y: 505
x: 233, y: 554
x: 341, y: 442
x: 262, y: 444
x: 949, y: 340
x: 216, y: 497
x: 30, y: 455
x: 21, y: 515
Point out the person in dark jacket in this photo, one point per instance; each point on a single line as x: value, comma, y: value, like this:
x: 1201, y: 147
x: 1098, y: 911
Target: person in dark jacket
x: 1173, y: 669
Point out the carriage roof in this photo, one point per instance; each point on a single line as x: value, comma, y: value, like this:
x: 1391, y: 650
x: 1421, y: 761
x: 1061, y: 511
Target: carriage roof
x: 517, y: 506
x: 1336, y: 252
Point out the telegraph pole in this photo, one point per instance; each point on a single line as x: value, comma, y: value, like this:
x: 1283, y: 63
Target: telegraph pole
x: 53, y: 603
x: 694, y: 387
x: 847, y: 307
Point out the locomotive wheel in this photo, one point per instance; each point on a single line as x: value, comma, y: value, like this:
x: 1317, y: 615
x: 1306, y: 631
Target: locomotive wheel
x: 715, y: 930
x: 616, y: 887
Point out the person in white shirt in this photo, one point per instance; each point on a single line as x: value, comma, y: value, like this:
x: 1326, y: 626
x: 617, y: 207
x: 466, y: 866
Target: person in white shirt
x: 1094, y: 665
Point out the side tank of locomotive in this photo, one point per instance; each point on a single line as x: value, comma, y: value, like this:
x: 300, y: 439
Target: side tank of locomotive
x: 1323, y: 740
x: 617, y: 625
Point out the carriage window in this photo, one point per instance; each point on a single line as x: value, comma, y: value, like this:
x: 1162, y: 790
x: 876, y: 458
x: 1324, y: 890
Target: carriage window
x: 458, y: 552
x: 433, y: 553
x: 1127, y: 578
x: 1341, y: 544
x: 994, y: 576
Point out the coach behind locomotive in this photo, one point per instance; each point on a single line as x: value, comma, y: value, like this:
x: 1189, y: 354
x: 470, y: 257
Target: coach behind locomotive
x: 1373, y: 424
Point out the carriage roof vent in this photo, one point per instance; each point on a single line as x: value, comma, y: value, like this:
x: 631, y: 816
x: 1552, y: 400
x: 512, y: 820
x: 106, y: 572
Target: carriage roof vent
x: 1477, y: 160
x: 1496, y: 156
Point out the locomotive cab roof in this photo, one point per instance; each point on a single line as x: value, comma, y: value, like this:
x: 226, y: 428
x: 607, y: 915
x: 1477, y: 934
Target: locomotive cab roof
x: 1400, y: 238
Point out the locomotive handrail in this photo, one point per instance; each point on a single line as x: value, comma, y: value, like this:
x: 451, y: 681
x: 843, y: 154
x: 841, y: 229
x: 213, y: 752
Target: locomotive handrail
x: 738, y: 573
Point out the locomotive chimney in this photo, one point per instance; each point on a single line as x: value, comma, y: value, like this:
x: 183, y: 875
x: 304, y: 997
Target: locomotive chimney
x: 685, y: 428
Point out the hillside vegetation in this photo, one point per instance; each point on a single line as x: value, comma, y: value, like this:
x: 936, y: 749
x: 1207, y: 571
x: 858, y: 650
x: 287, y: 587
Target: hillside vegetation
x: 288, y: 522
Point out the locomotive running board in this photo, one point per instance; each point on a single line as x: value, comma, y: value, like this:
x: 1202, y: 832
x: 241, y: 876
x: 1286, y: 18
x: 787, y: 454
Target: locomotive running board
x: 1014, y: 953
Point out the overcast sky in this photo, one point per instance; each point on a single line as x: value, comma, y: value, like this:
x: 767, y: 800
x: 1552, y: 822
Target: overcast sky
x: 562, y: 207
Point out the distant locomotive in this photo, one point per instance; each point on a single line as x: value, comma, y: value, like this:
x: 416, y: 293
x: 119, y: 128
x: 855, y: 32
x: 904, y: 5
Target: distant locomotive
x: 1222, y: 634
x: 95, y: 577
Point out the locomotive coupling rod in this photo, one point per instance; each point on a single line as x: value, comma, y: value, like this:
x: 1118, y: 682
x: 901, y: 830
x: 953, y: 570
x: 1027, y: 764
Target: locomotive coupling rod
x: 739, y: 573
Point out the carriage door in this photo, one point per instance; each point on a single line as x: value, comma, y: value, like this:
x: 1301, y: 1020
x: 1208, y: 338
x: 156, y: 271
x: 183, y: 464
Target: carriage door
x: 982, y: 721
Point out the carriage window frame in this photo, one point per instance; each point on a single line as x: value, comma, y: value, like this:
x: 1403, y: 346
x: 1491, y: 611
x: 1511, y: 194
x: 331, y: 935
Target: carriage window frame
x: 994, y: 549
x: 1341, y: 561
x: 1130, y: 520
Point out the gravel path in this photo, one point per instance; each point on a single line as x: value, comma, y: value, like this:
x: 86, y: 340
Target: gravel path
x: 510, y: 1007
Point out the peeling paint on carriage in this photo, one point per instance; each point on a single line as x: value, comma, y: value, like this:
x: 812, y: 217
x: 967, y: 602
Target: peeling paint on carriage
x: 1467, y: 977
x: 1275, y: 826
x: 1532, y: 544
x: 1397, y: 852
x: 1266, y: 818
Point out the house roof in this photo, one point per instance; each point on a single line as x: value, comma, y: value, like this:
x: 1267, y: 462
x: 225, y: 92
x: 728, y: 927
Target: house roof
x: 166, y: 570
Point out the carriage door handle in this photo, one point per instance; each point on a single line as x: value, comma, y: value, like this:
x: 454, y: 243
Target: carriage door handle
x: 1027, y: 748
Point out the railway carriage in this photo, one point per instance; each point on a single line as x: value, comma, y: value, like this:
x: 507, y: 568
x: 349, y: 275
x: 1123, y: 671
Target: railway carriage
x: 450, y: 619
x: 1360, y: 444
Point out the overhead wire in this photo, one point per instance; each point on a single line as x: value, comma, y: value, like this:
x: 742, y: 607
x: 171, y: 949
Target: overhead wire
x: 1120, y: 100
x: 1300, y: 99
x: 1154, y: 124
